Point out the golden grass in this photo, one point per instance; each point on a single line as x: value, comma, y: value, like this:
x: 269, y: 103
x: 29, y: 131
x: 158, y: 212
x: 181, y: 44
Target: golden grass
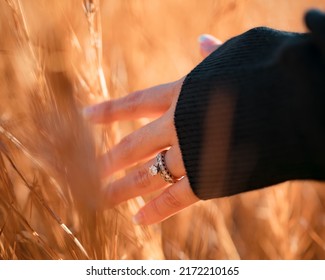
x: 58, y: 56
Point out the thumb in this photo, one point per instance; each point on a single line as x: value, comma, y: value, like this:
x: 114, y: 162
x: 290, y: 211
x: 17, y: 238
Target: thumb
x: 208, y: 44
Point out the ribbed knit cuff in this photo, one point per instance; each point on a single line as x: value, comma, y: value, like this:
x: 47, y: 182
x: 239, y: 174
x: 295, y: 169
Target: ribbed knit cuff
x: 250, y: 115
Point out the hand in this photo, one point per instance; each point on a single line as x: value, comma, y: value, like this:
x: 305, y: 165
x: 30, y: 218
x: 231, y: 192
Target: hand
x: 143, y: 145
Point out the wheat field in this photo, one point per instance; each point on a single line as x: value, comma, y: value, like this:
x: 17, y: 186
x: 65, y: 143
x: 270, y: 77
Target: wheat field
x: 57, y: 57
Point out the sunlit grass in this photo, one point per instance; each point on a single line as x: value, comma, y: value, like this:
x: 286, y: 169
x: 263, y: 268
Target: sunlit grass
x: 58, y: 56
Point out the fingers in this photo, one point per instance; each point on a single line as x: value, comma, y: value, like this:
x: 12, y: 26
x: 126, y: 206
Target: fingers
x: 175, y: 198
x: 151, y: 102
x: 208, y: 44
x: 135, y: 183
x: 139, y: 145
x: 139, y: 181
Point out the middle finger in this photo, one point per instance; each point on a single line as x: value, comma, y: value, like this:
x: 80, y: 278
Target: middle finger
x: 138, y: 146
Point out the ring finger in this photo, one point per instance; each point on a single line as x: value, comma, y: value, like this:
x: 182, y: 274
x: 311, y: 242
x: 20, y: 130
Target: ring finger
x: 140, y: 182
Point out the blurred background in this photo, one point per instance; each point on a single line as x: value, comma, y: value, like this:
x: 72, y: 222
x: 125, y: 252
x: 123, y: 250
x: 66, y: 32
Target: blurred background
x: 58, y: 56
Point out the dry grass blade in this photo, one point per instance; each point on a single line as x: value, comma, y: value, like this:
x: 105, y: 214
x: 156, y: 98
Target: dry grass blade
x: 51, y: 253
x: 92, y: 12
x: 47, y: 208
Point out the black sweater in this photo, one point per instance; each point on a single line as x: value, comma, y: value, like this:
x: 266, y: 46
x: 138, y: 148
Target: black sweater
x: 252, y: 114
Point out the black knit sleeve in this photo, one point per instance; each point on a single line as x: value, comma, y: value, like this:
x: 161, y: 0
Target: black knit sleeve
x: 252, y: 114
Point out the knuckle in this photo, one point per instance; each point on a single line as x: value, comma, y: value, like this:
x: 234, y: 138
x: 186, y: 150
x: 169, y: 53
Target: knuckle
x: 142, y: 178
x: 126, y: 143
x: 133, y: 100
x: 171, y: 200
x: 106, y: 108
x: 168, y: 128
x: 105, y: 112
x: 156, y: 209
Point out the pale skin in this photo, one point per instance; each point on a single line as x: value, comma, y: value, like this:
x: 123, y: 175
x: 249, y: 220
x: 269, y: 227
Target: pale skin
x: 142, y: 145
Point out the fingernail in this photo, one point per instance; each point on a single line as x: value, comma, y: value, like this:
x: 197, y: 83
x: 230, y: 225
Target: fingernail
x: 138, y: 218
x: 204, y: 38
x: 207, y: 38
x: 207, y: 41
x: 88, y: 112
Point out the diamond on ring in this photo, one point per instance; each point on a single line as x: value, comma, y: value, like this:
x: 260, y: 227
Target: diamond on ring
x: 153, y: 170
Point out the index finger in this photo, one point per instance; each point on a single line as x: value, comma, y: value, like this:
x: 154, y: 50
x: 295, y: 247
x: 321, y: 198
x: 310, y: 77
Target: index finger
x: 150, y: 102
